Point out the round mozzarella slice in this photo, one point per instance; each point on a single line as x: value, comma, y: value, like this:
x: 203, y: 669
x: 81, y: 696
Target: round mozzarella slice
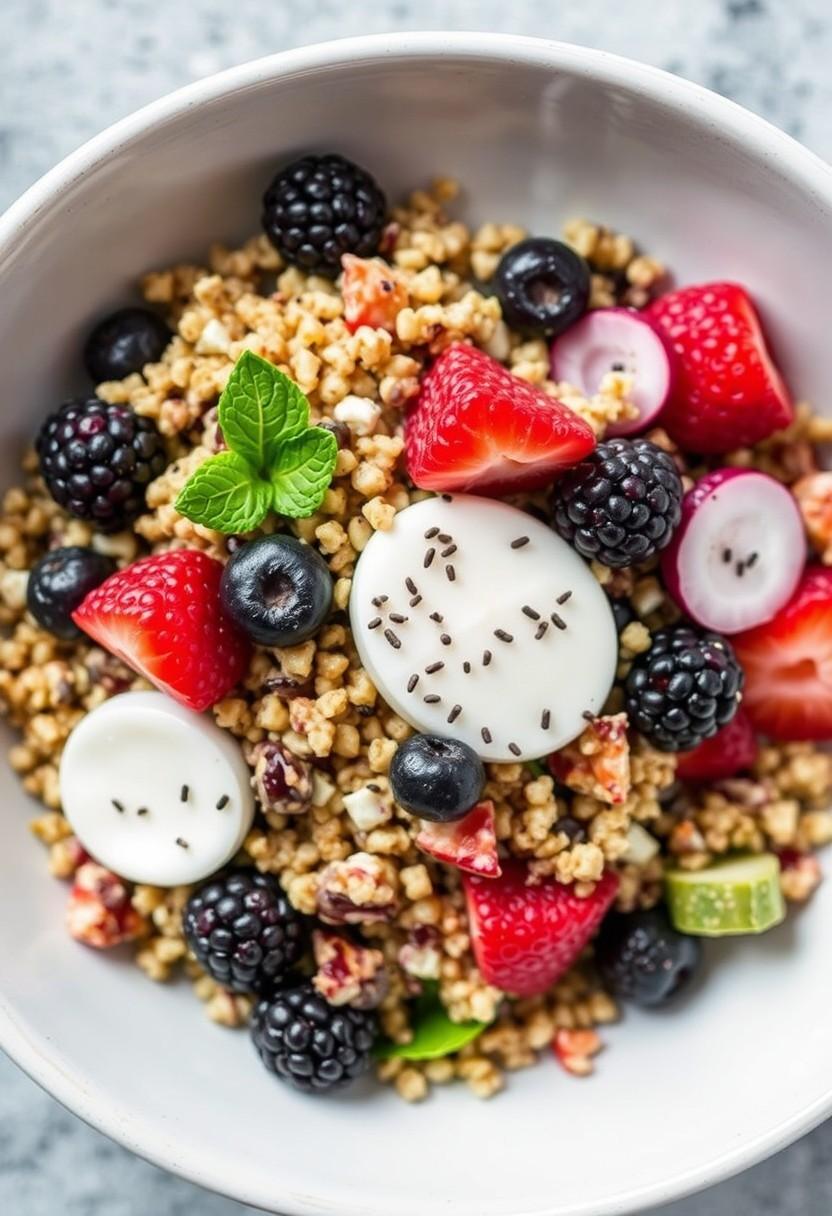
x: 155, y: 792
x: 477, y: 621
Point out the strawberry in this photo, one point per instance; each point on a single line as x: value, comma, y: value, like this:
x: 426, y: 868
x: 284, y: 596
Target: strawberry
x: 470, y: 843
x: 726, y: 392
x: 162, y: 616
x: 525, y: 938
x: 731, y: 750
x: 477, y: 427
x: 788, y: 664
x: 373, y: 293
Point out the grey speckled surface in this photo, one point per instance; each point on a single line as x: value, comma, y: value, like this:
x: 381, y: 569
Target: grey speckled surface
x: 69, y: 67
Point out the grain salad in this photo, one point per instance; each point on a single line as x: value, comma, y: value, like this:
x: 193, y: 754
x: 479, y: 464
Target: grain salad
x: 432, y: 583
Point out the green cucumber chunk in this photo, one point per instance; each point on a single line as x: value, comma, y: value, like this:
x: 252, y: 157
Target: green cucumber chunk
x: 739, y: 895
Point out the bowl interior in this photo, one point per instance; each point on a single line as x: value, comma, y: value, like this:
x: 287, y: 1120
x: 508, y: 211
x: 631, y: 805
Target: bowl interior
x: 535, y: 133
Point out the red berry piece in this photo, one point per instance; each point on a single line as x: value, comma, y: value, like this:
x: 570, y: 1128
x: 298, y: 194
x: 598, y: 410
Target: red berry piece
x: 727, y: 392
x: 525, y: 938
x: 477, y: 427
x: 788, y: 664
x: 732, y: 750
x: 470, y: 844
x: 162, y: 616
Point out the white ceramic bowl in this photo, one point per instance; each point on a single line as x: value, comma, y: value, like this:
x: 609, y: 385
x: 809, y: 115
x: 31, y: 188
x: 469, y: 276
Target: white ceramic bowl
x: 536, y: 131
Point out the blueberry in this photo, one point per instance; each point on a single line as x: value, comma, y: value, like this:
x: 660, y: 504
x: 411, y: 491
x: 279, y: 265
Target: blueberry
x: 123, y: 343
x: 543, y: 286
x: 278, y: 590
x: 642, y: 958
x: 436, y: 778
x: 59, y: 582
x: 623, y: 612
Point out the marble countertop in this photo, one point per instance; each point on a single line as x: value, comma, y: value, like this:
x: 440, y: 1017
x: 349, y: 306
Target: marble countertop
x: 70, y: 67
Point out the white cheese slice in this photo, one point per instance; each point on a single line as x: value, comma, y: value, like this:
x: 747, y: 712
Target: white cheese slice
x: 521, y: 630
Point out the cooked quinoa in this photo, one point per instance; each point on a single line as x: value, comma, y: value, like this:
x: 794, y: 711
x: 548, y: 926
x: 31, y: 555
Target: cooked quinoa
x: 316, y: 699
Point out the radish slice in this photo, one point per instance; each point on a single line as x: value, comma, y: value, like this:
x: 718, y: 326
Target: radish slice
x: 739, y: 551
x: 616, y: 340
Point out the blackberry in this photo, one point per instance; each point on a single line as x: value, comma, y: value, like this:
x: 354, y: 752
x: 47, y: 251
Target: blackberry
x: 310, y: 1044
x: 643, y: 959
x: 244, y: 931
x: 59, y: 582
x: 97, y: 460
x: 684, y: 688
x: 622, y: 504
x: 321, y: 207
x: 124, y: 342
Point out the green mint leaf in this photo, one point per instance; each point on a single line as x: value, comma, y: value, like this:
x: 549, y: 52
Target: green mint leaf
x: 302, y: 472
x: 225, y: 494
x: 260, y: 409
x: 434, y: 1034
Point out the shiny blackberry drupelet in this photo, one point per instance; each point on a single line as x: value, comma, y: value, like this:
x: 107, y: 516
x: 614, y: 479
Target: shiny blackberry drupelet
x: 684, y: 688
x: 321, y: 207
x: 244, y: 931
x: 641, y: 958
x: 622, y: 504
x: 310, y: 1044
x: 59, y: 582
x: 97, y: 460
x: 124, y: 342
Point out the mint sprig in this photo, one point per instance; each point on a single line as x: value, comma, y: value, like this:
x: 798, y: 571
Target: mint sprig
x: 276, y: 461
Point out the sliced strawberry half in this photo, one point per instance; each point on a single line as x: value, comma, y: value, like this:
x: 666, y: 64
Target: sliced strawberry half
x: 788, y: 664
x: 470, y: 844
x: 727, y: 392
x: 162, y: 616
x: 732, y: 750
x: 477, y: 427
x: 525, y: 938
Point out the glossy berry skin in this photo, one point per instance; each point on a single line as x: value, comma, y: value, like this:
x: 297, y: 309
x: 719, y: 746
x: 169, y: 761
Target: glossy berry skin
x: 278, y: 590
x: 621, y: 505
x: 477, y: 427
x: 727, y: 392
x: 526, y: 937
x: 97, y: 460
x: 684, y: 688
x: 787, y: 661
x: 321, y: 207
x: 124, y: 342
x: 313, y: 1046
x: 163, y: 617
x: 732, y: 750
x: 641, y: 958
x: 543, y: 286
x: 59, y: 582
x: 436, y: 778
x: 244, y: 931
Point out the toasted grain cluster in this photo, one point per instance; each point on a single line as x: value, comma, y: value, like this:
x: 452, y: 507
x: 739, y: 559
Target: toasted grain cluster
x: 353, y: 861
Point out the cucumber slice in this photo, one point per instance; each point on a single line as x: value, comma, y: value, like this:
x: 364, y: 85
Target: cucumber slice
x: 740, y: 895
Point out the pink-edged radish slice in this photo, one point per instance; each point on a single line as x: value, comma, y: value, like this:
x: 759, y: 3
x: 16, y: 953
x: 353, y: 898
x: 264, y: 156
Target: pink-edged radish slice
x: 616, y: 340
x: 738, y: 553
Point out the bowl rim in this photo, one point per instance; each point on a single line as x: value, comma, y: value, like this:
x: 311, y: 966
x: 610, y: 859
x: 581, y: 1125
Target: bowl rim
x: 721, y: 117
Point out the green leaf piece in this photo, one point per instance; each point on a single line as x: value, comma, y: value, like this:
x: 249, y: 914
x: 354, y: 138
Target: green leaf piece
x: 260, y: 409
x: 434, y: 1034
x: 302, y: 472
x: 226, y: 494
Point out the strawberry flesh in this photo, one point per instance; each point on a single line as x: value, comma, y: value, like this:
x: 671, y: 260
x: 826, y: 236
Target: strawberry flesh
x: 727, y: 392
x: 526, y: 937
x: 162, y: 616
x: 373, y: 293
x: 788, y: 664
x: 732, y: 750
x: 469, y: 844
x: 477, y: 427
